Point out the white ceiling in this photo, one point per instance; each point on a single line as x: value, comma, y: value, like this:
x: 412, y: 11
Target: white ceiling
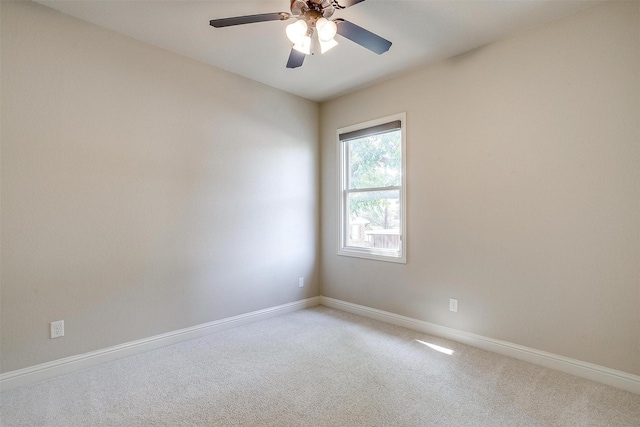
x: 422, y: 31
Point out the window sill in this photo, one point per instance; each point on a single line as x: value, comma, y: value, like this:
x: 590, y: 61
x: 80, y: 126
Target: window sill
x: 387, y: 256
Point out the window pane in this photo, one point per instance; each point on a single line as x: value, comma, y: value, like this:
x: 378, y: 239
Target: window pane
x: 376, y: 161
x: 373, y: 219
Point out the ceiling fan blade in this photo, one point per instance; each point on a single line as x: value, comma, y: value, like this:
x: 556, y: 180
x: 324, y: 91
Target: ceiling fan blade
x: 364, y: 38
x: 249, y: 19
x: 295, y: 59
x: 348, y: 3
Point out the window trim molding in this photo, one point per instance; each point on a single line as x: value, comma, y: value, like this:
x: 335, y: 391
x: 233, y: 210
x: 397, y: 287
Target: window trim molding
x: 372, y: 253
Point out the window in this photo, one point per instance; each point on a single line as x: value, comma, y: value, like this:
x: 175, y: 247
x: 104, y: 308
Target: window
x: 372, y: 189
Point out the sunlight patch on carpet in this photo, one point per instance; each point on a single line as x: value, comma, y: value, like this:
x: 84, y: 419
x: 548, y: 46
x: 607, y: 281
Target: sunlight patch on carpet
x: 437, y: 348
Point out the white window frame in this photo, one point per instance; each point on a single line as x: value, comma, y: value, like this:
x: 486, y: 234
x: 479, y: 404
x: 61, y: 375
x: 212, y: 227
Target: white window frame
x: 399, y: 256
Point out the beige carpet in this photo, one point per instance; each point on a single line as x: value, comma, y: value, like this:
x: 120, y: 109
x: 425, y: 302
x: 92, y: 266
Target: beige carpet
x: 318, y: 367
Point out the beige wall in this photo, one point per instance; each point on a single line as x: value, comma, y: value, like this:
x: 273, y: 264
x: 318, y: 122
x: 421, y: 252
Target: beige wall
x: 142, y: 192
x: 523, y: 190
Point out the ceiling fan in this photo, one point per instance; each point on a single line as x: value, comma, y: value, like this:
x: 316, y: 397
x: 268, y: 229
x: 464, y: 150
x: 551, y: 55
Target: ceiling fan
x: 313, y: 16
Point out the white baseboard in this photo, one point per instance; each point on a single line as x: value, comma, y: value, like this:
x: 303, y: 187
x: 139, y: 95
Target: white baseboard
x: 32, y: 374
x: 601, y: 374
x: 575, y: 367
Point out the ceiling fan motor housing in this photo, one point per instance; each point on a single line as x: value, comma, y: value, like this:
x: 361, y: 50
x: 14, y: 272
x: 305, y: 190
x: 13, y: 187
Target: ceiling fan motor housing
x: 314, y: 7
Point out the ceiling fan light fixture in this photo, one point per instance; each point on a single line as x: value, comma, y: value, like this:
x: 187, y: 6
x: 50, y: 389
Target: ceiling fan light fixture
x: 326, y: 46
x: 326, y: 29
x: 297, y: 31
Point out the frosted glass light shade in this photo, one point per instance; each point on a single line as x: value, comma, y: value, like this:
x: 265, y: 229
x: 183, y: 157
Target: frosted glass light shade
x: 326, y: 46
x: 304, y: 45
x: 326, y: 29
x: 296, y: 31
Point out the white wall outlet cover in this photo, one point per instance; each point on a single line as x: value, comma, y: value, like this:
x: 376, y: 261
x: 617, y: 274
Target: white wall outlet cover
x: 301, y: 282
x: 453, y: 304
x: 57, y: 329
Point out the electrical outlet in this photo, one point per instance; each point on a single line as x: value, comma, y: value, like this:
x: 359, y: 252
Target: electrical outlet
x: 453, y: 304
x: 301, y: 282
x: 57, y: 329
